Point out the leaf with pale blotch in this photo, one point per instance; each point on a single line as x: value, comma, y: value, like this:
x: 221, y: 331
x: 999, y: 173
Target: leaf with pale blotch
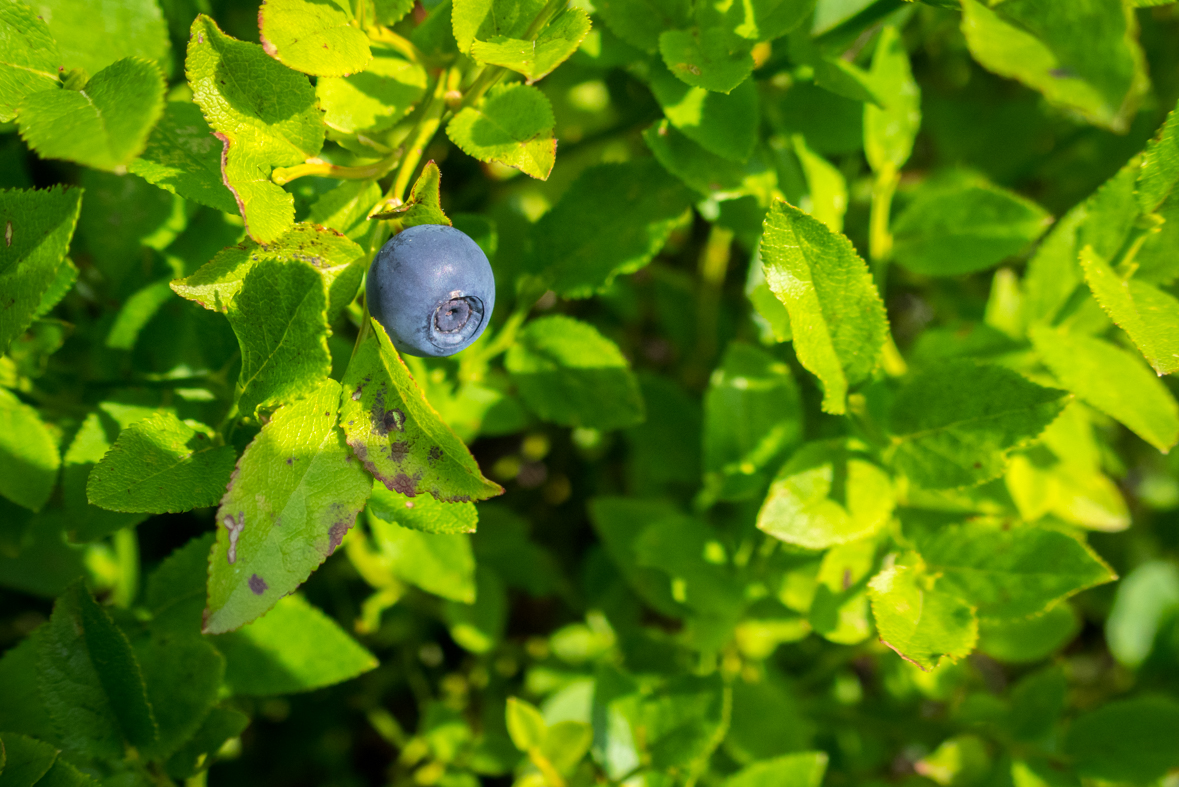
x: 707, y: 58
x: 294, y: 648
x: 954, y: 424
x: 313, y: 37
x: 29, y: 60
x: 514, y: 126
x: 1149, y: 315
x: 836, y: 313
x: 338, y: 260
x: 293, y: 496
x: 280, y: 318
x: 889, y: 130
x: 376, y: 98
x: 265, y: 114
x: 398, y: 435
x: 1081, y: 56
x: 486, y: 19
x: 827, y: 494
x: 1160, y: 165
x: 105, y: 124
x: 160, y: 465
x: 424, y: 205
x: 613, y: 220
x: 423, y: 512
x: 90, y: 681
x: 536, y: 59
x: 28, y: 454
x: 1011, y: 572
x: 918, y: 620
x: 183, y: 157
x: 568, y: 373
x: 1112, y: 380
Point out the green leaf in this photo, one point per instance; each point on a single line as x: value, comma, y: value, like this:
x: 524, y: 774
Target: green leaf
x: 1146, y: 600
x: 1011, y: 572
x: 513, y: 126
x: 120, y: 215
x: 28, y: 454
x: 92, y: 34
x: 375, y: 99
x: 139, y: 308
x: 424, y: 205
x: 954, y: 424
x: 525, y: 724
x: 1131, y: 740
x: 345, y: 209
x: 294, y: 648
x: 639, y: 22
x: 293, y: 496
x: 479, y: 626
x: 1160, y: 166
x: 1030, y: 639
x: 1113, y: 381
x: 1083, y: 56
x: 105, y: 125
x: 612, y: 220
x: 723, y: 124
x: 765, y: 20
x: 316, y: 38
x: 919, y: 621
x: 486, y: 19
x: 889, y: 130
x: 614, y: 519
x: 442, y: 564
x: 1149, y: 315
x: 182, y: 156
x: 90, y: 680
x: 25, y: 760
x: 569, y: 374
x: 219, y: 726
x: 676, y: 546
x: 804, y: 769
x: 280, y: 318
x: 29, y: 60
x: 839, y: 609
x: 423, y: 513
x: 685, y: 720
x: 559, y: 39
x: 826, y: 186
x: 826, y: 495
x: 707, y: 58
x: 38, y: 226
x: 838, y: 317
x: 338, y: 260
x: 398, y: 436
x: 565, y: 744
x: 963, y: 227
x: 22, y: 709
x: 161, y: 465
x: 265, y: 114
x: 706, y: 172
x: 752, y: 414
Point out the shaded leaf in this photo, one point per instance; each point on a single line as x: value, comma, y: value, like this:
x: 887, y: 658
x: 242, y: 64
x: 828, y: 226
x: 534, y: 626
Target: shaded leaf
x: 265, y: 114
x: 723, y: 124
x: 24, y: 761
x: 1146, y: 600
x: 219, y: 726
x: 28, y: 454
x: 293, y: 648
x: 105, y: 125
x: 569, y: 374
x: 954, y: 424
x: 293, y: 496
x: 612, y: 220
x: 182, y: 156
x: 438, y: 563
x: 161, y: 465
x: 1131, y: 740
x: 1029, y: 639
x: 920, y: 622
x: 559, y: 39
x: 706, y: 172
x: 639, y: 22
x: 423, y: 513
x: 345, y: 209
x: 316, y: 38
x: 398, y: 436
x: 513, y: 126
x: 836, y: 313
x: 37, y: 228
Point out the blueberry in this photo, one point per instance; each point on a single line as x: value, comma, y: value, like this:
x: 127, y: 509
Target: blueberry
x: 432, y: 288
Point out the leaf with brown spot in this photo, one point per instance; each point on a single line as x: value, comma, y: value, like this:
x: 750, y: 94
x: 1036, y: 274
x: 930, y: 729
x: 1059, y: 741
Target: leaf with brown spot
x: 282, y: 519
x: 397, y: 434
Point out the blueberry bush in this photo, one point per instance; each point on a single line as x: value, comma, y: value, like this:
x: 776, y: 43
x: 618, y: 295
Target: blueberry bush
x: 813, y: 427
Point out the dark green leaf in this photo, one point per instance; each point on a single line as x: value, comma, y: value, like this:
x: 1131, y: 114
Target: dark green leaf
x: 723, y: 124
x: 1030, y: 639
x: 1132, y: 740
x: 220, y: 725
x: 639, y: 22
x: 182, y: 156
x: 25, y: 760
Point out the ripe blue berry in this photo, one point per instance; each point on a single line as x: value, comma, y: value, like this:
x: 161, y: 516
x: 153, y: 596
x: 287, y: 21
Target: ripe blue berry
x: 432, y: 288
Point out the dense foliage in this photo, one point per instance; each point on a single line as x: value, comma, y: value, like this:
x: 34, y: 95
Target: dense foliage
x: 819, y: 434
